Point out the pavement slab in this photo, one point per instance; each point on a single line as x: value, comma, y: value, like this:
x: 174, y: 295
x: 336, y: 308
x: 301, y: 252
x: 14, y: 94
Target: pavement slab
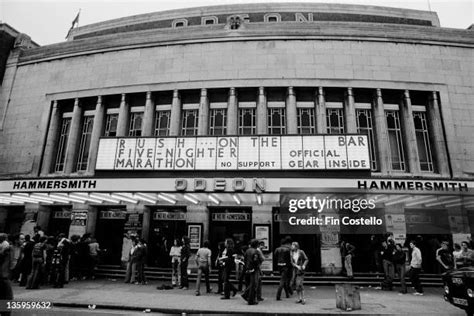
x: 113, y: 294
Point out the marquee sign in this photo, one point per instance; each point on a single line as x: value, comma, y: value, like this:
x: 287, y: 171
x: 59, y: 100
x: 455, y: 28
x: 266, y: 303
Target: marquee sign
x: 309, y: 152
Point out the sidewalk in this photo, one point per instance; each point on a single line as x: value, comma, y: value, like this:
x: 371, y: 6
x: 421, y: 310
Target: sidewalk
x: 320, y: 300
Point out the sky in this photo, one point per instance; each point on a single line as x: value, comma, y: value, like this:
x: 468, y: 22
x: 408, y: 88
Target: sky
x: 48, y: 21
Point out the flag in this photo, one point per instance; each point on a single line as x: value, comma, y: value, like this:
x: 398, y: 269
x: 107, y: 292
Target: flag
x: 74, y: 22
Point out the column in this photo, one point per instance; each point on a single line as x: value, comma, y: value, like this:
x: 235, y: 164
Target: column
x: 232, y: 113
x: 203, y: 119
x: 92, y: 216
x: 291, y: 112
x: 175, y: 119
x: 381, y: 133
x: 146, y: 223
x: 123, y: 117
x: 409, y: 134
x: 97, y: 130
x: 321, y: 126
x: 54, y: 126
x: 351, y: 124
x: 436, y: 130
x: 72, y: 143
x: 148, y: 116
x: 262, y: 112
x: 43, y: 217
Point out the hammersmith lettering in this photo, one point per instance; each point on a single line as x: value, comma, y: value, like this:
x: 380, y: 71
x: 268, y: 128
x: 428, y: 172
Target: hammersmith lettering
x: 413, y: 185
x: 54, y: 184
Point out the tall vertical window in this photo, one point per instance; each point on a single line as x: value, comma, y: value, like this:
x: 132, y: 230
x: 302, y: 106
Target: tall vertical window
x: 397, y: 153
x: 306, y: 121
x: 190, y: 123
x: 85, y: 143
x: 276, y: 121
x: 335, y: 121
x: 136, y: 122
x: 365, y: 126
x: 247, y: 124
x: 62, y: 145
x: 111, y: 125
x: 423, y: 141
x: 162, y: 123
x: 217, y: 124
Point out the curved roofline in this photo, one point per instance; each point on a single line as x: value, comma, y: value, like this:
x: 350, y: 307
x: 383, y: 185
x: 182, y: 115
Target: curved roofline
x: 257, y: 7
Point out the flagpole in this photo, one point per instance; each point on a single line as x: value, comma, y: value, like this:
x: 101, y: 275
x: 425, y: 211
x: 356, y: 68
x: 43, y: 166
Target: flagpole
x: 429, y: 5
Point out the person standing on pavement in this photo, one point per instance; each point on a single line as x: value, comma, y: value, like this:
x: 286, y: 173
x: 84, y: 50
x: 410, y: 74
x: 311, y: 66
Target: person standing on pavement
x: 253, y: 258
x: 27, y: 260
x: 220, y: 268
x: 185, y: 254
x: 175, y: 254
x: 132, y: 262
x: 203, y: 262
x: 6, y: 292
x: 445, y: 257
x: 38, y: 261
x: 299, y: 260
x: 283, y: 258
x: 415, y: 268
x: 94, y: 250
x: 141, y: 255
x: 227, y: 259
x: 261, y: 246
x: 387, y: 262
x: 399, y: 259
x: 350, y: 249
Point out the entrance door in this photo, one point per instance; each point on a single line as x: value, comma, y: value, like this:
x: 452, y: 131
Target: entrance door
x: 109, y: 234
x: 234, y: 223
x: 60, y: 221
x: 166, y: 225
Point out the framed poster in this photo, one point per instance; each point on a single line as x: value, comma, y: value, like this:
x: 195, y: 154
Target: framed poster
x: 262, y: 233
x: 195, y: 235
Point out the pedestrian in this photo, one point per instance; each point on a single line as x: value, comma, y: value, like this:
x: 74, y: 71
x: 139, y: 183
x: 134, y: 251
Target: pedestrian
x: 26, y: 261
x: 127, y: 244
x: 132, y: 262
x: 203, y: 262
x: 283, y: 258
x: 299, y: 261
x: 261, y: 246
x: 74, y: 258
x: 415, y: 268
x: 445, y: 257
x: 38, y: 260
x: 387, y: 262
x: 399, y: 260
x: 465, y: 256
x: 94, y: 250
x: 58, y: 267
x: 253, y: 259
x: 350, y: 249
x: 227, y: 259
x: 184, y: 260
x: 50, y: 245
x: 457, y: 256
x: 6, y: 293
x: 141, y: 255
x: 220, y: 268
x: 374, y: 249
x: 84, y: 258
x: 175, y: 254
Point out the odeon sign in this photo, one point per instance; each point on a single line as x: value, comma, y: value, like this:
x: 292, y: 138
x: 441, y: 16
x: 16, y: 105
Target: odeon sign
x: 308, y: 152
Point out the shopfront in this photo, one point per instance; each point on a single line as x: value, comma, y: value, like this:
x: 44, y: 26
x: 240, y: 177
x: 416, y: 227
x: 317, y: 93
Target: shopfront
x: 60, y: 221
x: 109, y: 232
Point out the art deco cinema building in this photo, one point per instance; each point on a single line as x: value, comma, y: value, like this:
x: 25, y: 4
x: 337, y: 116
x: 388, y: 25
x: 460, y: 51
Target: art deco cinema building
x: 202, y: 121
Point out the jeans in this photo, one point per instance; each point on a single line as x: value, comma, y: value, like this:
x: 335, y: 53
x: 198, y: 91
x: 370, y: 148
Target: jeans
x: 250, y: 294
x: 184, y: 274
x: 285, y: 278
x: 141, y: 271
x: 348, y: 265
x: 203, y: 269
x: 35, y: 275
x: 415, y: 279
x: 228, y: 286
x: 176, y: 271
x: 401, y: 270
x: 131, y: 271
x: 388, y: 270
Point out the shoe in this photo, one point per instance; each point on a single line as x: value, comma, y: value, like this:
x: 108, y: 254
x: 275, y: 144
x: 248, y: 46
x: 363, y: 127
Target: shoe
x: 225, y: 298
x: 197, y: 293
x: 303, y: 302
x: 418, y: 293
x: 260, y: 299
x: 209, y: 291
x: 298, y: 301
x: 234, y: 293
x: 184, y: 288
x: 402, y: 292
x: 254, y: 303
x: 136, y: 283
x: 180, y: 287
x: 278, y: 299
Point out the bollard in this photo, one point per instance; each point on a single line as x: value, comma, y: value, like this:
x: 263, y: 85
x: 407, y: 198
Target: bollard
x: 347, y: 297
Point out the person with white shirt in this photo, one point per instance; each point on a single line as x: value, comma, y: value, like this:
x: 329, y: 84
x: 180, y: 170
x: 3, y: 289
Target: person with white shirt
x: 415, y: 268
x: 203, y: 261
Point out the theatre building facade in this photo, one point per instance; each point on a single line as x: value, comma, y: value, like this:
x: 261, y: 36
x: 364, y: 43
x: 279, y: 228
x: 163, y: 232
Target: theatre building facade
x: 322, y: 122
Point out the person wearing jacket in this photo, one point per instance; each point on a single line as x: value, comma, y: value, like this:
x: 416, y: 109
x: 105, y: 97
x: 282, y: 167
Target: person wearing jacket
x: 185, y: 254
x: 132, y: 263
x: 350, y: 250
x: 399, y: 259
x: 299, y: 261
x: 141, y: 255
x: 253, y: 258
x: 283, y: 258
x: 227, y: 260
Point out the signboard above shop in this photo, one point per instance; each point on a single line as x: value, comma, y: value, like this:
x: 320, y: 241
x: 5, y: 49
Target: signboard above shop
x: 309, y: 152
